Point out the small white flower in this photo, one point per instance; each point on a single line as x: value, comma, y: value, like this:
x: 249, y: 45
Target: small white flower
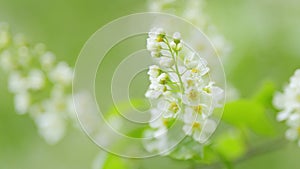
x: 177, y: 36
x: 193, y: 96
x: 62, y: 74
x: 51, y: 127
x: 191, y: 61
x: 6, y: 61
x: 47, y: 60
x: 166, y: 62
x: 201, y: 68
x: 158, y: 144
x: 215, y: 93
x: 201, y: 110
x: 163, y: 78
x: 159, y: 123
x: 36, y: 79
x: 153, y: 45
x: 156, y: 33
x: 169, y: 107
x: 17, y: 83
x: 4, y: 35
x: 155, y: 90
x: 22, y: 102
x: 197, y: 127
x: 154, y: 71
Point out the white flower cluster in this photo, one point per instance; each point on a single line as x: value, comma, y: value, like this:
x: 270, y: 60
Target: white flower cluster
x: 41, y: 87
x: 289, y: 104
x: 180, y: 88
x: 192, y: 10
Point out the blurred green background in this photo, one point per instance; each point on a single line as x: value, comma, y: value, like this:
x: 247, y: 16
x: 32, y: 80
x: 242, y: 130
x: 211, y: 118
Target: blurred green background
x: 265, y: 35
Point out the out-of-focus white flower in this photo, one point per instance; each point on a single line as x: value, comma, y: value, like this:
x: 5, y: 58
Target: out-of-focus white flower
x: 51, y: 126
x: 4, y: 35
x: 160, y: 144
x: 161, y: 124
x: 36, y: 79
x: 159, y: 5
x: 40, y: 85
x: 62, y: 74
x: 6, y: 61
x: 288, y: 103
x: 22, y: 102
x: 24, y: 55
x: 17, y: 83
x: 47, y: 60
x: 177, y: 37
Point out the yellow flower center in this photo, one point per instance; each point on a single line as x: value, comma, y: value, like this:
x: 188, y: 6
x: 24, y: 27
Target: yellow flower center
x: 190, y: 82
x: 196, y: 125
x: 195, y: 70
x: 198, y: 109
x: 207, y: 90
x: 173, y: 107
x: 193, y: 94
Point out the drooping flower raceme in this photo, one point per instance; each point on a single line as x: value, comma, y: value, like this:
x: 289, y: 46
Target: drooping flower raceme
x: 41, y: 86
x: 180, y: 89
x: 288, y: 103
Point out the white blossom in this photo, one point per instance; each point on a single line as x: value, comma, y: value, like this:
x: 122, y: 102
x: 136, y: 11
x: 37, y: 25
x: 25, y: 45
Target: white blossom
x: 4, y: 35
x: 36, y: 79
x: 154, y: 71
x: 40, y: 85
x: 51, y: 126
x: 62, y: 74
x: 47, y: 60
x: 6, y: 61
x: 288, y: 103
x: 166, y: 62
x: 198, y: 127
x: 180, y: 87
x: 22, y: 102
x: 17, y: 83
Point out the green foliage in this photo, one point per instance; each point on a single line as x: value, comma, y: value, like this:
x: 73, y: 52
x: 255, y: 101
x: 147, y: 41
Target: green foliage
x: 230, y: 145
x: 248, y: 114
x: 114, y: 162
x: 265, y: 95
x: 252, y: 113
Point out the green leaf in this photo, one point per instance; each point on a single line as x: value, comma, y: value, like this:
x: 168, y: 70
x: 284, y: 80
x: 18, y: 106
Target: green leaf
x: 265, y: 95
x: 114, y: 162
x: 249, y: 114
x: 230, y: 145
